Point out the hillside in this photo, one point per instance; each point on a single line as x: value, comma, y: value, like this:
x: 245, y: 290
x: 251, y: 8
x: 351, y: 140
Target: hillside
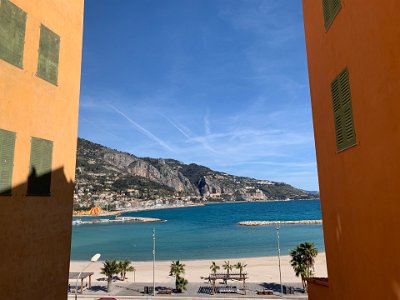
x: 108, y: 177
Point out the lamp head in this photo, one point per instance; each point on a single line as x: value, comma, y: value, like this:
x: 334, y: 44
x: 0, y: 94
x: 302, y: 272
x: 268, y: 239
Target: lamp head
x: 95, y: 257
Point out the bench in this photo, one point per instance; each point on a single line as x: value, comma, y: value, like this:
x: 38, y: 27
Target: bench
x: 265, y: 292
x: 227, y: 289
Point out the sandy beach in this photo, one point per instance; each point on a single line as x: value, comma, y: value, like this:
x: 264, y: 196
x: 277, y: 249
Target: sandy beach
x: 259, y: 269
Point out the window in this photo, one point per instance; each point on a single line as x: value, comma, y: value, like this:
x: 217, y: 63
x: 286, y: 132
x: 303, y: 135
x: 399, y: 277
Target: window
x: 331, y: 9
x: 39, y: 180
x: 12, y: 33
x: 342, y: 111
x: 49, y: 48
x: 7, y: 145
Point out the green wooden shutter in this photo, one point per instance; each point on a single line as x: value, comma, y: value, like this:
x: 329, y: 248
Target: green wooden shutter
x: 40, y: 169
x: 330, y: 9
x: 342, y: 111
x: 49, y: 49
x: 7, y: 146
x: 12, y: 33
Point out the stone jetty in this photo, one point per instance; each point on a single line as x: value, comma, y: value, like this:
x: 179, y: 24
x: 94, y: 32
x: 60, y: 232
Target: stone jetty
x: 266, y: 223
x: 117, y: 220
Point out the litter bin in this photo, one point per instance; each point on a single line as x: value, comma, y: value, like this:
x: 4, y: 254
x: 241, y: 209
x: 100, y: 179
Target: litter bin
x: 285, y: 289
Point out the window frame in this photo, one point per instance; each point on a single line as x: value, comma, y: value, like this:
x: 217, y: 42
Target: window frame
x: 44, y: 53
x: 4, y: 134
x: 15, y: 24
x: 39, y: 144
x: 330, y: 12
x: 342, y: 108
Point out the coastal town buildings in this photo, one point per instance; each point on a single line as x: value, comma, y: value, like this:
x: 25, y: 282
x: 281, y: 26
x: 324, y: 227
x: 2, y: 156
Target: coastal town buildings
x: 354, y: 71
x: 40, y: 64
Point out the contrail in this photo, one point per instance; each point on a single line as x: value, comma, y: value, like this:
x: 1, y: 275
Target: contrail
x: 143, y: 130
x: 180, y: 128
x: 190, y: 135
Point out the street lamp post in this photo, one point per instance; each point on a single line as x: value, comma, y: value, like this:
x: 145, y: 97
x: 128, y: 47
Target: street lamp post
x: 279, y: 258
x: 92, y: 260
x: 154, y: 261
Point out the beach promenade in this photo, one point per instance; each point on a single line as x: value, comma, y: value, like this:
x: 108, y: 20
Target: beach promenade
x: 262, y: 272
x: 132, y: 291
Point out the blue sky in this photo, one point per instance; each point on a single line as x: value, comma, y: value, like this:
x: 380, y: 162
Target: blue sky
x: 219, y: 83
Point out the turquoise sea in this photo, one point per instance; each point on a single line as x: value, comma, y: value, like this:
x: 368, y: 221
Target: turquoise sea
x: 202, y: 232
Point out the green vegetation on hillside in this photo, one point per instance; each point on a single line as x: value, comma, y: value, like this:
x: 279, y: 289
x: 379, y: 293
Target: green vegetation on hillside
x: 109, y: 177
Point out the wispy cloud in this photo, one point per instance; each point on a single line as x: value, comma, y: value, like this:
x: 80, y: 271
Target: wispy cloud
x: 283, y: 164
x: 182, y: 129
x: 190, y: 135
x: 278, y: 31
x: 143, y: 130
x: 247, y: 140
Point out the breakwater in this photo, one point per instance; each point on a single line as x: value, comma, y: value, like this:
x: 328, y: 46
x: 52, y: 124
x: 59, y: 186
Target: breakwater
x: 267, y: 223
x: 118, y: 220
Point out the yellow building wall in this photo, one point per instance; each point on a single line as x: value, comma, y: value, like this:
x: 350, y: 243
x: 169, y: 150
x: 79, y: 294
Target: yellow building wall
x: 35, y: 232
x: 359, y: 187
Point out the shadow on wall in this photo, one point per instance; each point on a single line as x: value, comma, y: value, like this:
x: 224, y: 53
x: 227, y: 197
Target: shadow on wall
x: 39, y: 185
x: 36, y: 225
x: 46, y: 185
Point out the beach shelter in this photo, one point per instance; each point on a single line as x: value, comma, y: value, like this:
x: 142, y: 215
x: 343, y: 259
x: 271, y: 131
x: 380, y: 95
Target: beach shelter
x: 74, y: 276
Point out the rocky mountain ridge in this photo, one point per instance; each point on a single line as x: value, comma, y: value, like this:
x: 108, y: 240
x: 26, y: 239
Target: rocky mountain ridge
x: 107, y: 175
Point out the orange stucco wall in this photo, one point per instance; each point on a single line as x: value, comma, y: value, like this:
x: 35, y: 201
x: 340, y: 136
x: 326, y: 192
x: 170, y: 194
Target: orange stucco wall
x: 35, y: 232
x: 359, y: 187
x: 317, y: 290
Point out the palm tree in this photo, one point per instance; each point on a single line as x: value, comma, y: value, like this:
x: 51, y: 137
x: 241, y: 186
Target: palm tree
x: 228, y: 267
x: 110, y: 267
x: 214, y: 267
x: 125, y: 266
x: 240, y: 266
x: 303, y: 261
x: 180, y: 284
x: 176, y: 269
